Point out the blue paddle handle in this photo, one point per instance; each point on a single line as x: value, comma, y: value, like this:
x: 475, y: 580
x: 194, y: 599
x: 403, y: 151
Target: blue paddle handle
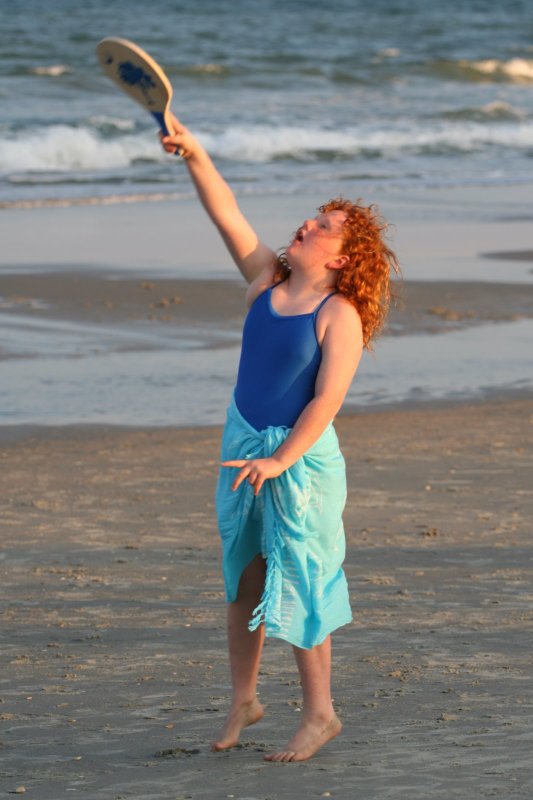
x: 160, y: 119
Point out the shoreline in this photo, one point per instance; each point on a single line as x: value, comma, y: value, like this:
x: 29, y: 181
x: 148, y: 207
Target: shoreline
x: 134, y: 331
x: 13, y: 435
x: 440, y: 234
x: 80, y: 346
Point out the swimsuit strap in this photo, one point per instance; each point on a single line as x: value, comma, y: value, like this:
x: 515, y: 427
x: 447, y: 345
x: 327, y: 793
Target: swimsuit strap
x: 273, y: 286
x: 319, y: 306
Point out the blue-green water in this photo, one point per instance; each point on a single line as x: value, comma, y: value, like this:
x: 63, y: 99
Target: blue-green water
x: 288, y: 95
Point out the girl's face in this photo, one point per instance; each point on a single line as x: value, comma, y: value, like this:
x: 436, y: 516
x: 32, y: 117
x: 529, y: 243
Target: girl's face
x: 318, y: 240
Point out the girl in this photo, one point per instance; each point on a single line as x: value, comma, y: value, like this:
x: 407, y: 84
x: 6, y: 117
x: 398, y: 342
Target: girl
x: 282, y: 487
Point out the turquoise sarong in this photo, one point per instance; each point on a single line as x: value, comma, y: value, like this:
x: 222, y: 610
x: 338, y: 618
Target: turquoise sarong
x: 295, y: 522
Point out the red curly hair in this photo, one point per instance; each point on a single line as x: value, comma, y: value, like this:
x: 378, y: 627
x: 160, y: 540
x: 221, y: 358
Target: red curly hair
x: 365, y: 280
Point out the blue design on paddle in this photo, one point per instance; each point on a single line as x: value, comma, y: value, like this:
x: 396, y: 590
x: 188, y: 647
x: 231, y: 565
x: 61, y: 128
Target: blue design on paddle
x: 133, y: 76
x: 136, y: 76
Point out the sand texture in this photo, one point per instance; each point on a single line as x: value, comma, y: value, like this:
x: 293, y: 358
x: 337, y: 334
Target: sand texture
x: 114, y: 675
x: 420, y: 306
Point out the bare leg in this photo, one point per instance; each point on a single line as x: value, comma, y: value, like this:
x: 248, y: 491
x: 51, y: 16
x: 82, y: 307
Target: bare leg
x: 244, y: 654
x: 319, y: 722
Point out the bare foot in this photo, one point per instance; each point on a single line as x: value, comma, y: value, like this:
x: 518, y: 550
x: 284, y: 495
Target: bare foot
x: 239, y: 717
x: 308, y: 739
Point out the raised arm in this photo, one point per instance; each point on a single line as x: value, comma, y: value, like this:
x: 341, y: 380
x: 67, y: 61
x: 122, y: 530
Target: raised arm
x: 252, y: 256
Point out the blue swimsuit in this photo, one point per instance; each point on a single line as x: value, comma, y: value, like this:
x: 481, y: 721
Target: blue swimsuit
x: 295, y: 521
x: 279, y: 363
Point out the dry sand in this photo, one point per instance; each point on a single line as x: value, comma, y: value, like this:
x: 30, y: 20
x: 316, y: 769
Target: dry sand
x: 114, y: 675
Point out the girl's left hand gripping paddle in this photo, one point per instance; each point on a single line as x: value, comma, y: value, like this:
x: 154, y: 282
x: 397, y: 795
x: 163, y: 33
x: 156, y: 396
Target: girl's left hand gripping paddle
x: 139, y: 76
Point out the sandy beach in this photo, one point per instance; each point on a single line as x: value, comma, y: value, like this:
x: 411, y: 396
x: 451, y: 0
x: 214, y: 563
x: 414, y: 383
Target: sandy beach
x: 114, y: 675
x: 120, y: 327
x: 114, y: 667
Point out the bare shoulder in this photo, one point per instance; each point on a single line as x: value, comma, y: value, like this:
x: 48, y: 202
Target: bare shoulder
x: 342, y: 305
x: 339, y: 319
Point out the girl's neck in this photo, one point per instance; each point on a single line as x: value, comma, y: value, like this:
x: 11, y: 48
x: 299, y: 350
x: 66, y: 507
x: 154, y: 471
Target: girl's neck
x: 302, y: 283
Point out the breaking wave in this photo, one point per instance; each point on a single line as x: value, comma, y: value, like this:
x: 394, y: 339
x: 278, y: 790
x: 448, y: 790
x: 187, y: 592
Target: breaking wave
x: 51, y: 71
x: 262, y: 144
x: 498, y: 110
x: 515, y: 70
x: 61, y: 148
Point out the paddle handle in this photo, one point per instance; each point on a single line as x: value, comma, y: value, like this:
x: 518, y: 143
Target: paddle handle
x: 160, y: 119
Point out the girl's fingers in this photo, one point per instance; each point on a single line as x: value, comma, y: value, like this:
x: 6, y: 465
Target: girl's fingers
x: 240, y: 477
x: 247, y: 471
x: 170, y: 144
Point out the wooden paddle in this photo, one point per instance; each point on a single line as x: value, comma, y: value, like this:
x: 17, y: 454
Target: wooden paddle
x: 140, y: 77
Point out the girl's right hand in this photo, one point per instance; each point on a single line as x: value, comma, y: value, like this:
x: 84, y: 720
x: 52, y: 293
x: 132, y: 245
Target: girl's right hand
x: 181, y: 140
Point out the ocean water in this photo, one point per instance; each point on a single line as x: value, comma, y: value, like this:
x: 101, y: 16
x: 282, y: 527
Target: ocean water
x: 288, y: 95
x: 66, y: 373
x: 389, y: 99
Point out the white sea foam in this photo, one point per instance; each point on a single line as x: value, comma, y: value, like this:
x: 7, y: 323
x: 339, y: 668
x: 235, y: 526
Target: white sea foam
x: 105, y: 200
x: 209, y: 69
x: 387, y: 52
x: 495, y: 111
x: 519, y: 70
x: 60, y: 148
x: 499, y: 109
x: 262, y: 144
x: 52, y: 71
x: 101, y: 121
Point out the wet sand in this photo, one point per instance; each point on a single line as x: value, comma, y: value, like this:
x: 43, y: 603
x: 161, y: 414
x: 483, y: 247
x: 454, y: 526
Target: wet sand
x: 422, y: 306
x: 114, y: 675
x: 511, y: 255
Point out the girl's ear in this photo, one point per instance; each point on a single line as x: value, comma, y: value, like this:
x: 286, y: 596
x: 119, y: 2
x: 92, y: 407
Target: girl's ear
x: 337, y: 263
